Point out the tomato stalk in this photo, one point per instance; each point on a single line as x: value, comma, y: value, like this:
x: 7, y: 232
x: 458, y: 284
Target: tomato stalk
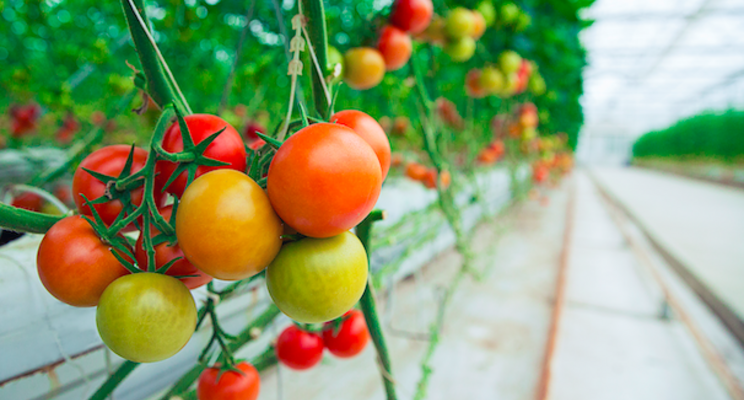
x: 161, y: 85
x: 317, y: 35
x: 369, y: 308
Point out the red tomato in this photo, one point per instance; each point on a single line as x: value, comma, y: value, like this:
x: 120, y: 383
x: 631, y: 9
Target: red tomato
x: 298, y: 349
x: 324, y: 180
x: 227, y: 147
x: 63, y: 193
x: 472, y: 84
x: 350, y: 338
x: 24, y: 119
x: 395, y: 47
x: 251, y: 129
x: 430, y: 179
x: 540, y: 172
x: 412, y: 16
x: 70, y: 126
x: 229, y: 385
x: 165, y: 252
x: 74, y: 265
x: 109, y: 161
x: 368, y: 129
x: 28, y: 201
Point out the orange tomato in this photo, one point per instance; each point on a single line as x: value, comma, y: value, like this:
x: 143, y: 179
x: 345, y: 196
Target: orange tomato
x: 416, y: 171
x: 364, y: 68
x: 324, y: 180
x: 368, y: 129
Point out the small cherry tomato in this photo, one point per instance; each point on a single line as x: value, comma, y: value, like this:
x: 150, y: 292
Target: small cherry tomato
x: 28, y: 201
x: 416, y: 171
x: 110, y: 161
x: 430, y: 179
x: 298, y: 349
x: 473, y: 86
x: 317, y: 280
x: 350, y: 338
x: 492, y: 80
x: 74, y: 265
x: 324, y: 180
x: 510, y: 61
x: 368, y: 129
x: 250, y: 131
x: 395, y: 47
x: 460, y: 23
x: 227, y: 147
x: 479, y: 25
x: 146, y: 317
x: 165, y: 252
x: 487, y: 11
x: 364, y: 68
x: 460, y: 50
x: 412, y: 16
x: 335, y: 60
x: 215, y: 384
x: 226, y: 227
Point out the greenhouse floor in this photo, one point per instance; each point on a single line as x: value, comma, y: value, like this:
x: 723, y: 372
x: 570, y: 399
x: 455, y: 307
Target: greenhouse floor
x: 574, y: 303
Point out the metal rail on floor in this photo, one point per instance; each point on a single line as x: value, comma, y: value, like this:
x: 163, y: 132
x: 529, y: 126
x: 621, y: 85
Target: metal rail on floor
x: 543, y: 386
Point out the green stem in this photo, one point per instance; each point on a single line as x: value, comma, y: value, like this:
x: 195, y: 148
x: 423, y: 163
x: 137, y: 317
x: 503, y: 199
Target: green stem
x: 369, y: 308
x: 318, y: 35
x: 244, y: 337
x: 20, y: 220
x: 114, y: 379
x: 159, y: 86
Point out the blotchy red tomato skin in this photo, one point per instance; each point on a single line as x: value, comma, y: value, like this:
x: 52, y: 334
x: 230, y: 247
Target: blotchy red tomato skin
x: 370, y: 130
x: 230, y: 385
x: 324, y: 180
x: 227, y: 147
x: 350, y: 339
x: 164, y: 253
x: 298, y: 349
x: 74, y: 265
x: 110, y: 161
x: 412, y: 16
x: 395, y: 47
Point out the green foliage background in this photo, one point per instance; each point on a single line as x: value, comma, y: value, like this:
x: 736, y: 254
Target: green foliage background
x: 711, y: 136
x: 72, y: 56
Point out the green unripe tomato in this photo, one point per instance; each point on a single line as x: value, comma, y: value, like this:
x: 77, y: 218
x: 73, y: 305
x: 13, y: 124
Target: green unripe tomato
x: 317, y: 280
x: 146, y: 317
x: 510, y: 87
x: 460, y: 50
x: 460, y: 23
x: 523, y: 22
x: 492, y: 80
x: 509, y: 13
x: 509, y: 61
x: 536, y: 84
x: 488, y: 11
x: 335, y: 57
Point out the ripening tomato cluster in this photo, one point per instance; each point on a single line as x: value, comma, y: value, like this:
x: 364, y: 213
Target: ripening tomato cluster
x: 322, y: 181
x: 492, y: 153
x: 24, y: 119
x: 397, y: 126
x: 513, y: 75
x: 457, y: 32
x: 364, y: 67
x: 508, y: 15
x: 428, y: 176
x: 301, y: 349
x: 66, y: 132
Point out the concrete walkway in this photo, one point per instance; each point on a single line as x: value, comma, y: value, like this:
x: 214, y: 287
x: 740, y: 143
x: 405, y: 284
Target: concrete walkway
x: 613, y: 342
x: 701, y: 223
